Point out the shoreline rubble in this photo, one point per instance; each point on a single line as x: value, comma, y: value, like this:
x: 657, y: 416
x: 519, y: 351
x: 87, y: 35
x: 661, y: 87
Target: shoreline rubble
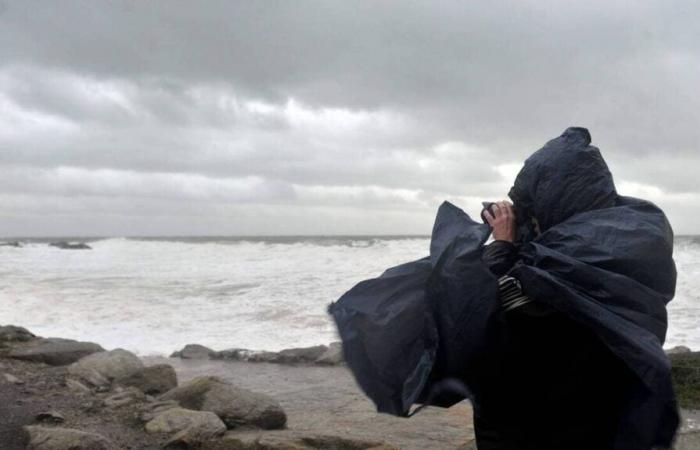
x: 66, y: 394
x: 58, y: 394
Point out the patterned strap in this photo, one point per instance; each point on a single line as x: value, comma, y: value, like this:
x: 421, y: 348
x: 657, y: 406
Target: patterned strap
x: 511, y: 294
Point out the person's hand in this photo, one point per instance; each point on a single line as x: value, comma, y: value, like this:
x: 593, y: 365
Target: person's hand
x: 502, y: 221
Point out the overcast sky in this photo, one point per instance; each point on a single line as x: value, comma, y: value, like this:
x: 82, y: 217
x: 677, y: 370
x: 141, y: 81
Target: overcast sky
x: 330, y: 117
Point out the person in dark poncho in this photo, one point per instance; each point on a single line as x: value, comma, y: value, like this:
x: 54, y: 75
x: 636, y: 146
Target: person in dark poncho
x: 553, y: 383
x: 554, y: 330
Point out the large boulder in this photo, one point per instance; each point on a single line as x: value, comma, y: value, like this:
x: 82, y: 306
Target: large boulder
x: 237, y: 407
x: 193, y: 351
x: 152, y: 380
x: 174, y: 420
x: 55, y: 351
x: 11, y: 333
x: 685, y: 373
x: 53, y: 438
x: 102, y: 368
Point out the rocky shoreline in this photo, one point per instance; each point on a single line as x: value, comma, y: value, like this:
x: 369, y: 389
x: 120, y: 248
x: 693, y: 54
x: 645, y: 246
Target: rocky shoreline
x: 61, y: 394
x: 325, y: 355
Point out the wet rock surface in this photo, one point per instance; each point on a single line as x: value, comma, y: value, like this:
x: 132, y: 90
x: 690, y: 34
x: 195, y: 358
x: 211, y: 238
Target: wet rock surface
x: 11, y: 333
x: 152, y: 380
x: 175, y: 420
x: 236, y: 406
x: 54, y: 351
x: 100, y: 369
x: 193, y: 351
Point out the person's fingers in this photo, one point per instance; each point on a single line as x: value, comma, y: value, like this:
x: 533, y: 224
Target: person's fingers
x: 508, y: 208
x: 489, y: 217
x: 503, y: 208
x: 496, y: 210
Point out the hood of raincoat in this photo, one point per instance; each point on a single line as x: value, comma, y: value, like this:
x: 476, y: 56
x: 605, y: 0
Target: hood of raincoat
x: 565, y: 177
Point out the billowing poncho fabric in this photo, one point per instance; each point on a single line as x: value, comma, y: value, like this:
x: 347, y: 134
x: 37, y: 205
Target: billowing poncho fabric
x: 421, y: 331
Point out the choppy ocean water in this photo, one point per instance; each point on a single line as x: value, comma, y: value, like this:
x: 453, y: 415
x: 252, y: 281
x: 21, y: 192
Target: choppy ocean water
x: 154, y: 295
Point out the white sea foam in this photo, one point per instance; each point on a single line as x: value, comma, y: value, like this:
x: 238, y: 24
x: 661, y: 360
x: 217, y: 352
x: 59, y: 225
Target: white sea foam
x: 154, y: 296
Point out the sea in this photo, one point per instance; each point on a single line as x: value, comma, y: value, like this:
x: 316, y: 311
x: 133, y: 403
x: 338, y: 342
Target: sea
x: 154, y: 295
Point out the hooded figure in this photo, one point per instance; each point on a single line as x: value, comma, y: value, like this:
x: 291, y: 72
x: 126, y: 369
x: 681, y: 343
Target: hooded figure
x: 575, y: 359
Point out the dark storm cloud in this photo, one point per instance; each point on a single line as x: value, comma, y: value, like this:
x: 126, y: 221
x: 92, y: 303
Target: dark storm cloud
x: 351, y: 105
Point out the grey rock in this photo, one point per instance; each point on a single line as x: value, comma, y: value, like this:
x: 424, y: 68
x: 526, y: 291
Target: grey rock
x: 102, y: 368
x: 333, y: 356
x: 150, y: 410
x: 301, y: 355
x: 50, y: 417
x: 152, y: 380
x: 263, y: 356
x: 63, y: 245
x: 677, y: 350
x: 199, y: 424
x: 125, y: 397
x: 235, y: 406
x: 54, y: 438
x: 12, y: 379
x: 55, y: 351
x: 243, y: 354
x: 11, y: 333
x: 193, y: 351
x: 232, y: 354
x: 10, y: 244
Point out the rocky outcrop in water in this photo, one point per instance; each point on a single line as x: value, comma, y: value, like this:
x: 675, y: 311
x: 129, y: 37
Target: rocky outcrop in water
x: 63, y: 245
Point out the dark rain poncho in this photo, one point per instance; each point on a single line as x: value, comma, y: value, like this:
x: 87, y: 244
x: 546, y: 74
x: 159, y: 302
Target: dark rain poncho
x: 427, y: 331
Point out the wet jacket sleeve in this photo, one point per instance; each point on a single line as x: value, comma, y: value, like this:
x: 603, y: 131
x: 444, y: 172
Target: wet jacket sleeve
x: 499, y: 256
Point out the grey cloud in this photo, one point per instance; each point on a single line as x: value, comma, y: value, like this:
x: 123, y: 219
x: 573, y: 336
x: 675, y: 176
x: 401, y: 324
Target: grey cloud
x: 317, y: 95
